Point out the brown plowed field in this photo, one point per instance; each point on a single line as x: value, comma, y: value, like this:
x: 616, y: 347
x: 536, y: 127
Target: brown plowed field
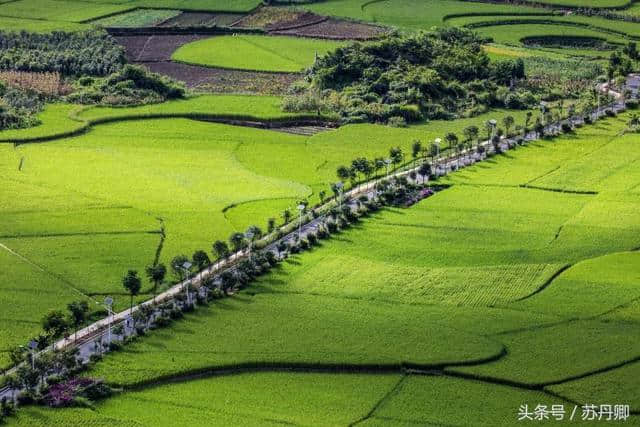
x: 202, y: 19
x: 335, y: 29
x: 219, y: 80
x: 154, y: 48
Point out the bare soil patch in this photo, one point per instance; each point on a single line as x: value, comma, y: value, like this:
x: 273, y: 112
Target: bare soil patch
x: 219, y: 80
x: 270, y: 17
x: 335, y: 29
x: 154, y: 48
x: 202, y: 19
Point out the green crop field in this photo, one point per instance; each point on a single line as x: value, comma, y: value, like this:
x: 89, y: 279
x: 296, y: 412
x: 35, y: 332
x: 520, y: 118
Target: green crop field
x: 262, y: 399
x: 104, y: 193
x: 51, y: 15
x: 247, y: 52
x: 453, y: 280
x: 410, y: 14
x: 515, y: 284
x: 137, y: 18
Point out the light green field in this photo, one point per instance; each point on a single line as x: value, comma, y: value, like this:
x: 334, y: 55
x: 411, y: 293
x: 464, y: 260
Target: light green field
x: 512, y: 34
x: 55, y: 10
x: 610, y: 386
x: 259, y: 53
x: 410, y: 14
x: 247, y: 400
x: 38, y: 25
x: 137, y: 18
x: 449, y: 280
x: 64, y: 15
x: 104, y: 193
x: 283, y: 330
x: 606, y: 26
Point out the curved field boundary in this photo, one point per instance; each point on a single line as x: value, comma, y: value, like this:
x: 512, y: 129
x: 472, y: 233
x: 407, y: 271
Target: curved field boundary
x: 230, y: 119
x: 364, y: 5
x: 307, y: 24
x: 121, y: 12
x: 490, y: 14
x: 108, y: 15
x: 253, y: 367
x: 180, y: 31
x: 546, y: 5
x: 485, y: 24
x: 546, y: 283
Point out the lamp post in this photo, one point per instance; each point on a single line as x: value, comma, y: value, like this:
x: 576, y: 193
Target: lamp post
x: 598, y: 97
x: 339, y: 187
x: 494, y: 124
x: 301, y: 208
x: 108, y: 303
x: 249, y: 235
x: 186, y: 266
x: 437, y: 141
x: 33, y: 345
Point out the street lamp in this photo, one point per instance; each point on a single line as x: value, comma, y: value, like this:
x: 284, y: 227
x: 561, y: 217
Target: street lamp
x: 108, y: 303
x: 339, y: 187
x: 186, y: 266
x: 493, y: 123
x: 301, y: 208
x: 543, y: 109
x: 437, y: 141
x: 33, y: 345
x: 249, y: 235
x: 598, y: 97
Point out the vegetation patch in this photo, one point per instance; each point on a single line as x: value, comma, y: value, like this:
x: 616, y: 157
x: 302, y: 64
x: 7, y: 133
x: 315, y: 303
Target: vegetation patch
x: 560, y: 42
x: 439, y: 75
x: 138, y: 18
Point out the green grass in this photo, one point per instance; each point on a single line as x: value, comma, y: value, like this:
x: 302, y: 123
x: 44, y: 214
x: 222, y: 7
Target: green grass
x: 138, y: 18
x: 260, y: 53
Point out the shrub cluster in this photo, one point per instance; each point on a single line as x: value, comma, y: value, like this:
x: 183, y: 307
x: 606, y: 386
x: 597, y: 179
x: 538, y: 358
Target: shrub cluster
x: 18, y: 107
x: 93, y: 53
x: 130, y: 85
x: 401, y: 79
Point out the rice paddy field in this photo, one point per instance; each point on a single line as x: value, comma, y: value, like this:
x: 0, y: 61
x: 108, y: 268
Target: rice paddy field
x: 103, y: 193
x: 516, y: 285
x: 255, y: 53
